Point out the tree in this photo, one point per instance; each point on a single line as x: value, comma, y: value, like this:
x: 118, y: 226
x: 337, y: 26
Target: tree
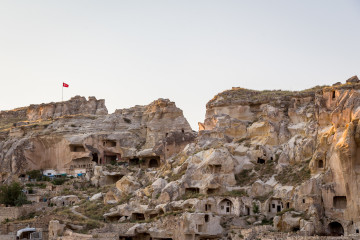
x: 12, y: 195
x: 35, y: 174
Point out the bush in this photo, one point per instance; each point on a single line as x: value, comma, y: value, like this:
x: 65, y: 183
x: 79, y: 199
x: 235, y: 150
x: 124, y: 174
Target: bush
x: 12, y: 195
x: 35, y: 174
x: 58, y: 181
x: 93, y: 210
x: 267, y: 221
x: 294, y: 174
x: 284, y: 211
x: 255, y: 208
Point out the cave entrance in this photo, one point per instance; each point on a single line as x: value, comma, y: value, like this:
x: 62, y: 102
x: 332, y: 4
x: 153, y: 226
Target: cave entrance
x: 26, y: 234
x: 142, y: 236
x: 95, y: 158
x: 153, y: 163
x: 226, y: 206
x: 192, y: 190
x: 247, y: 211
x: 333, y: 94
x: 211, y: 191
x: 134, y: 161
x: 278, y: 208
x: 109, y: 143
x: 261, y: 161
x: 206, y: 217
x: 321, y: 164
x: 335, y: 229
x: 138, y: 216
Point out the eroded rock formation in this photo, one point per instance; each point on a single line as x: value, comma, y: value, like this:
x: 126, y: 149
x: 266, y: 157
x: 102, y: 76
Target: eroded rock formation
x: 73, y: 136
x: 263, y: 163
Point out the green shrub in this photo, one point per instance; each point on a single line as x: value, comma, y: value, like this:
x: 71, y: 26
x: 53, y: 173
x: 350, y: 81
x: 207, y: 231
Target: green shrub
x: 58, y: 181
x: 267, y: 222
x: 284, y: 211
x: 255, y: 208
x: 35, y: 174
x: 12, y: 195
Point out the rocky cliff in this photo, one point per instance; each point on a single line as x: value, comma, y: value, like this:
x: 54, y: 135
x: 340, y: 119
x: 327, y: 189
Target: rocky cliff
x: 263, y: 163
x: 78, y: 134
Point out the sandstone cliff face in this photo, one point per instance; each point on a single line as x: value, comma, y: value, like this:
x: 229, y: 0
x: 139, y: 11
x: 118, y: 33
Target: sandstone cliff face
x: 262, y: 161
x: 316, y: 128
x: 78, y: 134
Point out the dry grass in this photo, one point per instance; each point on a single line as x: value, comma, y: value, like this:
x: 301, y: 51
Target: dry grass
x: 93, y: 209
x: 261, y: 171
x: 294, y: 174
x: 245, y: 177
x: 7, y: 123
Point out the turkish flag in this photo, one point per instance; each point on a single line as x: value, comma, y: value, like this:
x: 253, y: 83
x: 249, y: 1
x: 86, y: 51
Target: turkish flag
x: 65, y: 85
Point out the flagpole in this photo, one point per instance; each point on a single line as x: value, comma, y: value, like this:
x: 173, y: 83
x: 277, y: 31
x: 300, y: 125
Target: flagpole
x: 62, y: 93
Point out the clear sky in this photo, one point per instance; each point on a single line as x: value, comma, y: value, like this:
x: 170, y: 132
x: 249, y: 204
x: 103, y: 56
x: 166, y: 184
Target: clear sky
x: 133, y: 52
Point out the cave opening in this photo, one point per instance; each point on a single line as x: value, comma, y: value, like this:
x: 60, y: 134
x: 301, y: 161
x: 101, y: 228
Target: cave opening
x: 153, y: 163
x: 192, y: 190
x: 95, y: 158
x: 247, y: 211
x: 335, y: 229
x: 109, y: 143
x: 320, y: 164
x: 261, y: 161
x: 138, y: 216
x: 212, y: 191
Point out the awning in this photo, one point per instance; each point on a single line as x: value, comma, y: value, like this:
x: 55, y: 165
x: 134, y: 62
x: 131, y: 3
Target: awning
x: 18, y: 233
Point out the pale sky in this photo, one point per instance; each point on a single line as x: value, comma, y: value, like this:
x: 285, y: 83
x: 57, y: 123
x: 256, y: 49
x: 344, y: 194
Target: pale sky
x: 133, y: 52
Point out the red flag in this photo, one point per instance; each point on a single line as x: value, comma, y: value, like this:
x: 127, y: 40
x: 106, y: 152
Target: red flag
x: 65, y: 85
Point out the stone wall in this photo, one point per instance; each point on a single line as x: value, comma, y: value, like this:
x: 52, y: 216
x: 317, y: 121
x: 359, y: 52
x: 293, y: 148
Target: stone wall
x: 17, y: 212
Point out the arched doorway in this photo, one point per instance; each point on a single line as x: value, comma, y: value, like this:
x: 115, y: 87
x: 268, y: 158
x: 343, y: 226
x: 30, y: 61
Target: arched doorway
x: 226, y: 206
x: 335, y: 229
x: 153, y: 163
